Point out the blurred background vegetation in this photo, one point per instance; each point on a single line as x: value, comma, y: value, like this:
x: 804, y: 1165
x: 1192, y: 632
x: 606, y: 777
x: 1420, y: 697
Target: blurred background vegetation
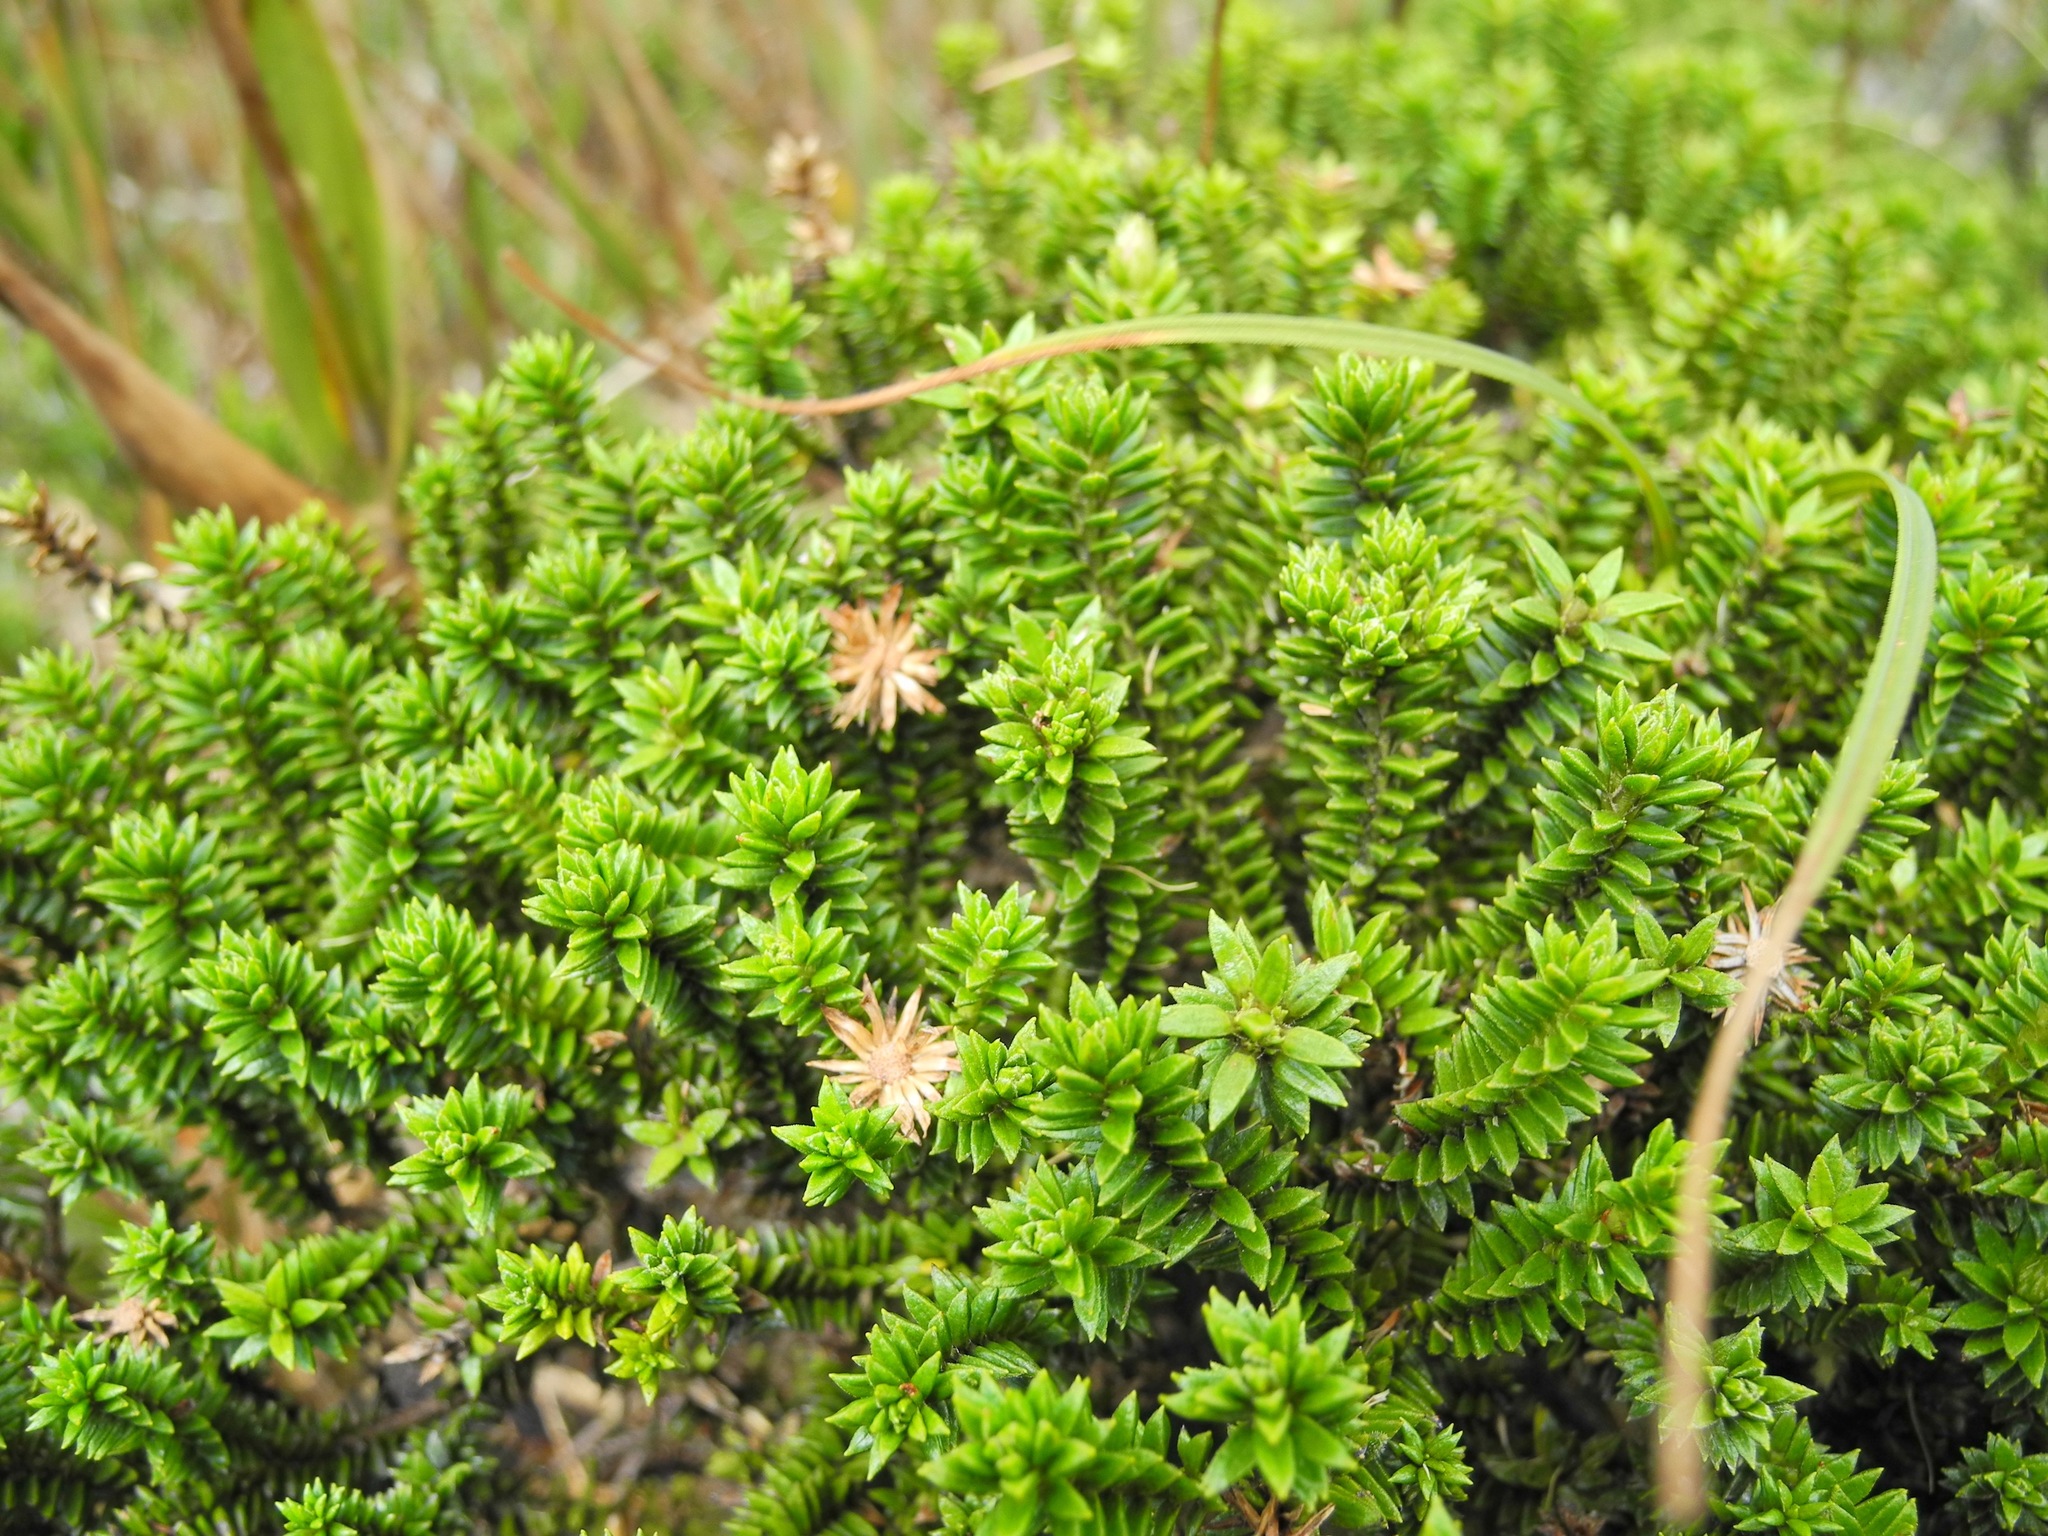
x: 291, y: 210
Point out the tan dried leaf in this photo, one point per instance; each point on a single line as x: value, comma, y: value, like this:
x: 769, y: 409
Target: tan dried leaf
x: 1386, y: 276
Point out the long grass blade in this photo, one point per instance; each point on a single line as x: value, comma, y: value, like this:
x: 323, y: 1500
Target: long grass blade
x: 1888, y: 688
x: 317, y: 227
x: 611, y: 237
x: 82, y: 153
x: 32, y: 212
x: 1315, y: 334
x: 1177, y: 330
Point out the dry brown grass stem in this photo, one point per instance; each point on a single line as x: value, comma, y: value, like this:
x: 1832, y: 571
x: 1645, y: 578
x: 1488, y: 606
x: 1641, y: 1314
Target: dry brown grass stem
x: 525, y: 191
x: 1010, y: 71
x: 740, y: 101
x: 174, y: 446
x: 1681, y: 1475
x: 671, y: 148
x: 1885, y: 696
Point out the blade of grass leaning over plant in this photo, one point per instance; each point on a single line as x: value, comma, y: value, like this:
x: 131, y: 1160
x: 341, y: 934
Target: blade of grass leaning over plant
x: 1291, y: 331
x: 1888, y: 687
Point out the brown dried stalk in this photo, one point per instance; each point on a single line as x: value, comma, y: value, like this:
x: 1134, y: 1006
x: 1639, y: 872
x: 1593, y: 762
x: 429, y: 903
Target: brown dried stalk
x: 1212, y: 101
x: 173, y: 445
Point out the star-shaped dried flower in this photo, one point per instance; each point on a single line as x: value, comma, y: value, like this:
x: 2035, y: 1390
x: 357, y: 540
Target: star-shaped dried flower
x: 134, y: 1320
x: 799, y: 170
x: 1386, y: 276
x: 1743, y: 943
x: 875, y: 657
x: 433, y: 1352
x: 802, y: 175
x: 1437, y: 248
x: 899, y: 1063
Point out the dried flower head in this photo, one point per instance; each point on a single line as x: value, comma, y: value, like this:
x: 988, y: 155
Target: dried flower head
x: 799, y: 170
x: 1386, y: 276
x: 815, y: 238
x: 801, y: 174
x: 1434, y: 243
x: 433, y: 1352
x: 875, y: 657
x: 133, y: 1320
x: 59, y: 542
x: 1744, y: 943
x: 899, y: 1063
x: 1331, y: 176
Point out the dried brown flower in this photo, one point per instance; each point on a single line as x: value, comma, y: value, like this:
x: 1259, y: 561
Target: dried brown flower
x: 1385, y: 276
x: 799, y: 170
x: 133, y: 1320
x: 1434, y: 243
x: 801, y: 174
x: 434, y: 1352
x: 1741, y: 944
x: 899, y: 1063
x: 875, y: 657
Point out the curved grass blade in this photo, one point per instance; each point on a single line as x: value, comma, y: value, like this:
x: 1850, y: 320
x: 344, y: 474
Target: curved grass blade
x: 1317, y: 334
x: 1290, y: 331
x: 1888, y: 688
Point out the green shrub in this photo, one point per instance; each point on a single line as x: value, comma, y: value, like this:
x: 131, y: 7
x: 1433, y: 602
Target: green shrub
x: 1119, y: 948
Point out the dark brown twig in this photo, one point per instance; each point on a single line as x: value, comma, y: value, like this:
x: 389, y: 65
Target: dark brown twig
x: 174, y: 445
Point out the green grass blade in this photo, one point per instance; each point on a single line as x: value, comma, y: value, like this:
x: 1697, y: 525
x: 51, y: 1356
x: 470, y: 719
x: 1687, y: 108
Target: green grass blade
x: 1314, y: 334
x: 350, y: 399
x: 72, y: 95
x: 1270, y: 331
x: 1888, y: 688
x: 314, y: 382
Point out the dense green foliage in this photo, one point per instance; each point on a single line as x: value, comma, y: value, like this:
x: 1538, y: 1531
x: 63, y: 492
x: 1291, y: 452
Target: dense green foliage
x: 1117, y: 949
